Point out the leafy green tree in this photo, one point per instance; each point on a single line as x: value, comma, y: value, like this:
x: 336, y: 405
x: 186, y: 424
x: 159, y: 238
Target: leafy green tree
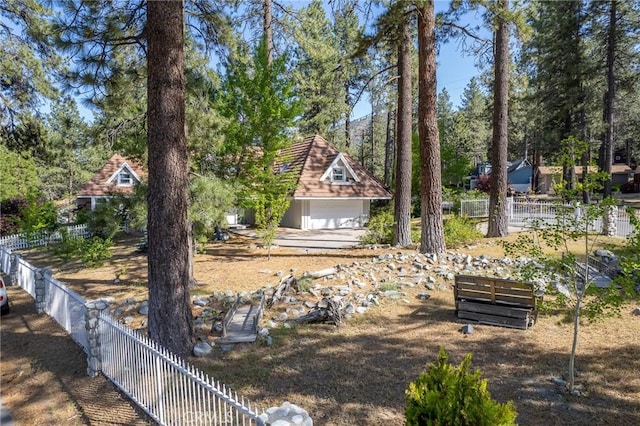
x: 258, y: 101
x: 455, y: 142
x: 119, y: 212
x: 562, y: 274
x: 563, y: 77
x: 72, y: 155
x: 103, y: 35
x: 629, y: 259
x: 29, y: 64
x: 29, y: 138
x: 23, y: 177
x: 317, y: 57
x: 38, y: 215
x: 211, y: 200
x: 472, y: 121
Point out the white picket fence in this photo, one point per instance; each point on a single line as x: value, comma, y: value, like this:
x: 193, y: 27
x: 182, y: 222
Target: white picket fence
x: 42, y: 238
x: 523, y: 212
x: 168, y: 389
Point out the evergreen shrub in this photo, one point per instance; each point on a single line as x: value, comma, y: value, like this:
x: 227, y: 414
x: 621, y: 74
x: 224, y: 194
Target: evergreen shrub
x: 459, y: 231
x: 448, y: 395
x: 379, y: 228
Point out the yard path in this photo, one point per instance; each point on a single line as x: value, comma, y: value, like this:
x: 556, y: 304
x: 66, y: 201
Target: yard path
x: 43, y: 374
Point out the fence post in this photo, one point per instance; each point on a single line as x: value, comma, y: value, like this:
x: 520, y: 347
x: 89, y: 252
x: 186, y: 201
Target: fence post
x: 610, y: 221
x: 92, y: 318
x: 40, y: 289
x: 13, y: 268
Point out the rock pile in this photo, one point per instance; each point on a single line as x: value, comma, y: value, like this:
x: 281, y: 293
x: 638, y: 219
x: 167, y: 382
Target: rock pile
x: 355, y: 287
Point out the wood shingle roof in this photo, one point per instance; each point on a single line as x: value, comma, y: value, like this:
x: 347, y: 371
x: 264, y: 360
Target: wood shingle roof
x: 102, y: 184
x: 312, y: 157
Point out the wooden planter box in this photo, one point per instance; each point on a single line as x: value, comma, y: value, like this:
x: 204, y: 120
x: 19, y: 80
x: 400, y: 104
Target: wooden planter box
x: 495, y: 301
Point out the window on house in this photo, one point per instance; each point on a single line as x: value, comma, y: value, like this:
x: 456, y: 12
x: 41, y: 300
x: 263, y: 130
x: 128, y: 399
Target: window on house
x: 124, y: 178
x: 337, y: 174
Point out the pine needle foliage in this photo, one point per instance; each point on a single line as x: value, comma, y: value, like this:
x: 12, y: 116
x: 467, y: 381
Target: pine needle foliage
x: 449, y: 395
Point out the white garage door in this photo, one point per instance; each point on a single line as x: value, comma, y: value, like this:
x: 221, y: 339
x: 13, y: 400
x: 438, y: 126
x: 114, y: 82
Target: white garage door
x: 327, y: 214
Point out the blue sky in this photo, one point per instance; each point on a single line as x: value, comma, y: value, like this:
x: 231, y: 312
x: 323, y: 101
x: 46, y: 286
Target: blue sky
x: 454, y: 69
x: 453, y: 72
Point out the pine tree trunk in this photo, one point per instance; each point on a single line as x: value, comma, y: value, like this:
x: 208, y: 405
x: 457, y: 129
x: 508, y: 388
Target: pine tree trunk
x: 388, y: 151
x: 347, y: 117
x: 609, y: 100
x: 170, y: 319
x: 402, y: 199
x: 498, y: 220
x: 432, y: 234
x: 268, y: 31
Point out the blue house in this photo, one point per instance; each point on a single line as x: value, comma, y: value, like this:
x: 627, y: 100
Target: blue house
x: 519, y: 174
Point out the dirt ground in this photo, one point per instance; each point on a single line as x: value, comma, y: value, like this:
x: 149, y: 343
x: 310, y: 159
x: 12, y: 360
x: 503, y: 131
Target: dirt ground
x: 352, y: 375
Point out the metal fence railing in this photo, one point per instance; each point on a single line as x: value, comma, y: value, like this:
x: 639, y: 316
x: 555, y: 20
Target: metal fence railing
x: 163, y: 385
x: 474, y: 207
x: 171, y: 391
x: 523, y: 213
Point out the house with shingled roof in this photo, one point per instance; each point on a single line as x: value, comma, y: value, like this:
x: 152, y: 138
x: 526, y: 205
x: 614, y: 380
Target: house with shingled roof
x: 119, y: 175
x: 333, y: 190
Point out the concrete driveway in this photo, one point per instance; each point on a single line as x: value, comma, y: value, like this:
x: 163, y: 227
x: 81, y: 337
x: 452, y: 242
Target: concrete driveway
x: 316, y: 240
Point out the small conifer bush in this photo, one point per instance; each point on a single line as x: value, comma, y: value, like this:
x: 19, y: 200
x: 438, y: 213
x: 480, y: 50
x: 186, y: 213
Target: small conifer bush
x: 449, y: 395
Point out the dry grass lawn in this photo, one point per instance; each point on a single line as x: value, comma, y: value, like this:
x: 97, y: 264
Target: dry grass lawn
x: 357, y: 374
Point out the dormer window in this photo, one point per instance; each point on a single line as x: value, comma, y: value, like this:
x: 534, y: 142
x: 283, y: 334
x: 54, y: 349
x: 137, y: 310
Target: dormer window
x: 337, y: 174
x: 340, y: 172
x: 125, y: 178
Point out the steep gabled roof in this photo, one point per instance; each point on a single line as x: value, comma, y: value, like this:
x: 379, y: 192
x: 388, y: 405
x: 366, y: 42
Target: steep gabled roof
x: 517, y: 165
x: 104, y: 182
x: 313, y: 158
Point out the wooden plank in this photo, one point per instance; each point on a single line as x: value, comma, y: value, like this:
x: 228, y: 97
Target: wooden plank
x: 492, y: 281
x: 485, y: 308
x: 523, y: 302
x: 498, y: 291
x: 494, y: 320
x: 502, y: 286
x: 241, y: 327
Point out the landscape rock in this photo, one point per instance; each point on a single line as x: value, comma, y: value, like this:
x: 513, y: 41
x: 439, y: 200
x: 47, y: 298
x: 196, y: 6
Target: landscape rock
x: 201, y: 302
x: 286, y: 415
x: 466, y: 329
x: 202, y: 349
x: 558, y: 382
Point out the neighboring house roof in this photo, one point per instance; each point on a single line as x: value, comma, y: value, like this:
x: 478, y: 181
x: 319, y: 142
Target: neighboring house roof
x: 517, y: 165
x: 512, y: 166
x: 325, y: 172
x: 119, y: 174
x: 621, y: 169
x: 557, y: 170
